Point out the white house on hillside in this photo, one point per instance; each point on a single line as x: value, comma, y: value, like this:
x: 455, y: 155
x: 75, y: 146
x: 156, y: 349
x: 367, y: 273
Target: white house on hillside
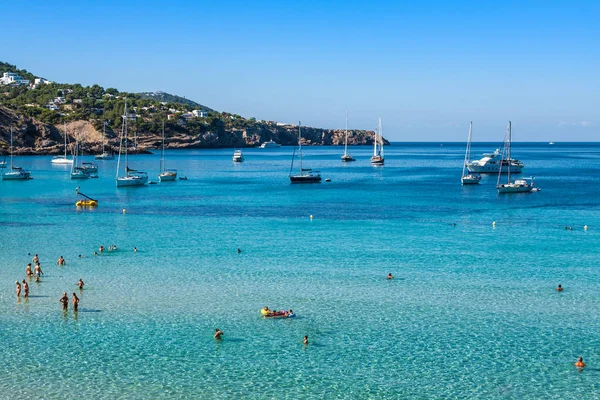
x: 10, y: 78
x: 200, y: 114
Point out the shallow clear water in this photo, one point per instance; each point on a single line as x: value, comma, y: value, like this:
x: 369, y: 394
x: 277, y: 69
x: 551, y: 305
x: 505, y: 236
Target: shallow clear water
x: 472, y: 312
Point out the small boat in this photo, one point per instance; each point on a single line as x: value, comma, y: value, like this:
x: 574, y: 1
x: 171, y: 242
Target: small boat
x: 471, y: 178
x: 378, y: 157
x: 90, y: 167
x: 105, y: 154
x: 269, y: 145
x: 132, y: 176
x: 183, y: 178
x: 62, y: 160
x: 237, y: 156
x: 15, y: 173
x: 3, y: 163
x: 346, y: 157
x: 85, y: 201
x: 77, y: 171
x: 166, y: 174
x: 551, y: 143
x: 524, y: 185
x: 304, y: 175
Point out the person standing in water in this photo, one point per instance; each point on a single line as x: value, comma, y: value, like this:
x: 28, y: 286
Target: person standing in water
x: 75, y: 301
x: 18, y: 288
x: 35, y: 259
x: 305, y: 341
x: 38, y: 270
x: 80, y: 284
x: 25, y: 289
x: 61, y: 261
x: 580, y: 363
x: 390, y: 276
x: 65, y: 301
x: 218, y: 334
x: 28, y: 270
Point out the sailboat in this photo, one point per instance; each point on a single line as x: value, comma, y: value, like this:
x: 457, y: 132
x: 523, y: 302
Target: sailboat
x: 347, y: 157
x: 63, y: 159
x: 15, y: 173
x: 131, y: 177
x: 165, y: 174
x: 378, y: 158
x: 77, y: 172
x: 523, y: 185
x: 470, y: 178
x: 89, y: 167
x: 105, y: 155
x: 304, y: 175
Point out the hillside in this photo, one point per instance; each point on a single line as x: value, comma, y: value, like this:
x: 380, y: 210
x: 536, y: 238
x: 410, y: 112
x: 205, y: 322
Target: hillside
x: 171, y: 98
x: 39, y: 113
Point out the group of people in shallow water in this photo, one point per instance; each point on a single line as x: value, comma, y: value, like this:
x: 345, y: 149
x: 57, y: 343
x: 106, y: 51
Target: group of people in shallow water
x: 272, y: 313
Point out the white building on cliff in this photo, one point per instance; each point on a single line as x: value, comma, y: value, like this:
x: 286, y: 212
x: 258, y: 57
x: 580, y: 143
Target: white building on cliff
x: 10, y: 78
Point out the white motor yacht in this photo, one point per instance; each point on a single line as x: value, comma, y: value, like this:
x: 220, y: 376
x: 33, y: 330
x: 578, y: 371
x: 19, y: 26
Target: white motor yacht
x: 269, y: 145
x: 237, y: 156
x: 491, y: 162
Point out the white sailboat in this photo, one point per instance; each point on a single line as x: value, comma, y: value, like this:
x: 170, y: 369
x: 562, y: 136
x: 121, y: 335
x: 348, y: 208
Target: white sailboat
x: 77, y: 172
x: 347, y: 157
x: 62, y: 160
x: 523, y: 185
x: 304, y: 175
x: 166, y: 174
x: 15, y: 173
x: 470, y: 178
x: 131, y: 177
x: 378, y: 157
x: 105, y: 154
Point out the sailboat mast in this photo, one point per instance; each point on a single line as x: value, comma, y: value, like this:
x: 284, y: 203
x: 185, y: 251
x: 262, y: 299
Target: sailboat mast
x: 162, y: 155
x: 121, y: 141
x: 380, y: 138
x: 346, y: 140
x: 126, y: 140
x: 468, y: 151
x: 103, y: 136
x: 65, y: 135
x: 375, y: 142
x: 11, y: 149
x: 300, y: 145
x: 508, y: 150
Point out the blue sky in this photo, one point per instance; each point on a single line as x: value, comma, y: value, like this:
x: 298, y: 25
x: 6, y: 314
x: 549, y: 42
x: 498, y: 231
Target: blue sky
x: 427, y: 68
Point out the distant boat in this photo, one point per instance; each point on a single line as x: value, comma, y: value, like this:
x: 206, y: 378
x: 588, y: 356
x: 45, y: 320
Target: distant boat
x: 551, y: 143
x: 304, y: 175
x: 105, y: 155
x: 63, y: 159
x: 469, y: 179
x: 3, y: 163
x: 238, y: 156
x: 347, y: 157
x: 77, y: 172
x: 518, y: 186
x: 269, y: 145
x: 378, y: 157
x: 132, y: 177
x: 166, y: 174
x: 15, y: 173
x: 495, y: 162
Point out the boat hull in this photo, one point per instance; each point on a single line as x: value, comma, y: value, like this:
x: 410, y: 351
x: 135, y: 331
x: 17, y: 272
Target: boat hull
x: 16, y: 176
x: 132, y: 181
x: 376, y: 160
x: 104, y: 157
x: 62, y: 161
x: 470, y: 179
x: 167, y: 177
x: 514, y: 188
x: 238, y: 159
x: 305, y: 179
x: 76, y: 175
x: 348, y: 158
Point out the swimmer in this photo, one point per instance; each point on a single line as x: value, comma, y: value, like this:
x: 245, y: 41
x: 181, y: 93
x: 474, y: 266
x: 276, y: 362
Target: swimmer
x: 114, y: 246
x: 580, y: 363
x: 101, y: 249
x: 35, y: 259
x: 305, y: 341
x: 95, y: 253
x: 28, y: 270
x: 25, y: 289
x: 218, y: 334
x: 75, y: 301
x: 80, y: 256
x: 65, y: 301
x: 61, y: 261
x: 135, y: 249
x: 80, y: 284
x: 18, y: 288
x: 559, y: 288
x: 239, y: 251
x: 390, y: 276
x: 38, y: 270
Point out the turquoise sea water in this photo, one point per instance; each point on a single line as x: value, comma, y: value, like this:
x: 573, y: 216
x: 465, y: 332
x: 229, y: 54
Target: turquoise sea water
x: 472, y: 312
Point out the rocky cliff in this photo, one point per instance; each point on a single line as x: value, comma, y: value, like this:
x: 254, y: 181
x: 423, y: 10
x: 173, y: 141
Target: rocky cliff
x: 31, y: 136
